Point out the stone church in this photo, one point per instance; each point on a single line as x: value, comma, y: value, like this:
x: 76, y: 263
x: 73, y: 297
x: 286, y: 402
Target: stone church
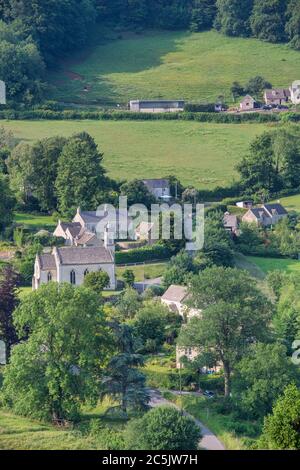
x: 71, y: 264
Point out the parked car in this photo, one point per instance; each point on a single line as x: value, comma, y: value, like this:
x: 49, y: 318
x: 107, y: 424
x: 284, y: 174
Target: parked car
x: 208, y: 394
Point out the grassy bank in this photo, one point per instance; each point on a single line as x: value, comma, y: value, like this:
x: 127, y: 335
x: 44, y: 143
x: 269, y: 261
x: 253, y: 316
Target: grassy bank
x: 170, y: 65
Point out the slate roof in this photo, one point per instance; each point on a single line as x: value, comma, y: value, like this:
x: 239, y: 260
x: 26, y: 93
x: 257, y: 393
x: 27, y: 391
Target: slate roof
x: 259, y: 212
x: 156, y: 183
x: 175, y: 294
x: 158, y: 103
x: 278, y: 208
x: 277, y: 94
x: 74, y: 227
x: 47, y: 262
x: 86, y: 255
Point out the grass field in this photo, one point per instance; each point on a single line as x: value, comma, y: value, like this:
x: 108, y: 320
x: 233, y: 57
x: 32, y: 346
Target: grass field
x: 271, y: 264
x: 147, y: 271
x: 291, y: 203
x: 35, y: 221
x: 199, y: 154
x: 170, y: 65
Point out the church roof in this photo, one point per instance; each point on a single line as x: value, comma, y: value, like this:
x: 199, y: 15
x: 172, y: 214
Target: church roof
x: 87, y: 255
x: 47, y: 262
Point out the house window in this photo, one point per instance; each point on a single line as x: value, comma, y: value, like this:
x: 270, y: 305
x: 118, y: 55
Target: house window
x: 86, y: 272
x: 72, y: 277
x: 49, y: 277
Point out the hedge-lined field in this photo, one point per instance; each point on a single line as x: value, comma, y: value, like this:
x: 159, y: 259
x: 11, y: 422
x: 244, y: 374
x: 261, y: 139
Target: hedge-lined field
x: 171, y: 65
x: 199, y: 154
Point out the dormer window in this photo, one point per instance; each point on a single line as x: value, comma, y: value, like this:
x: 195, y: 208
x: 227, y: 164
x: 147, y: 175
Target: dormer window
x: 73, y: 277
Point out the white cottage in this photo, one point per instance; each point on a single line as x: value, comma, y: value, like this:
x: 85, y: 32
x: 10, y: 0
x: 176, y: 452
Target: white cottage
x: 72, y: 264
x: 295, y: 92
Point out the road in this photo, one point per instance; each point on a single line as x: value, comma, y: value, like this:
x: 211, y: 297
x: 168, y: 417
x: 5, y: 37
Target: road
x: 208, y: 442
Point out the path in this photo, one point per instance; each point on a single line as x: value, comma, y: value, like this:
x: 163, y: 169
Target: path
x: 208, y: 442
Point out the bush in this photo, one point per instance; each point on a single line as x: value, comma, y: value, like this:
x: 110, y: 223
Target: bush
x: 147, y: 253
x: 163, y: 428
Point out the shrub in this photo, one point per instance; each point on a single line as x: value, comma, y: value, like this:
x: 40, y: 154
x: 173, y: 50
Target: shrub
x: 163, y: 428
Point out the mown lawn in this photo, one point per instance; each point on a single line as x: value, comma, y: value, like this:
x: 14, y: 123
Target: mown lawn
x: 35, y: 220
x: 170, y: 65
x: 147, y: 271
x: 271, y: 264
x: 199, y: 154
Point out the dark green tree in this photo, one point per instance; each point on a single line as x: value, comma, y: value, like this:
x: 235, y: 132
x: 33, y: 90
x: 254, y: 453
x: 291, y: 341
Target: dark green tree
x: 233, y: 17
x: 203, y: 14
x: 7, y: 204
x: 9, y: 300
x: 281, y: 428
x: 292, y: 26
x: 59, y: 367
x: 123, y: 379
x: 80, y: 175
x: 268, y: 20
x: 137, y: 193
x: 261, y: 377
x: 97, y: 281
x: 128, y: 277
x: 234, y: 314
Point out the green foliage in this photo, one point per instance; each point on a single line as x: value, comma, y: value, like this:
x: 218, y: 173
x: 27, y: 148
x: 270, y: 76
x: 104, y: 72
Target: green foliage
x: 287, y: 319
x: 233, y: 17
x: 7, y: 203
x: 123, y: 379
x: 21, y: 65
x: 260, y: 377
x: 234, y: 313
x: 25, y: 263
x: 9, y: 282
x: 163, y: 428
x: 59, y: 366
x: 179, y: 269
x: 97, y: 281
x: 80, y: 175
x: 128, y: 303
x: 148, y: 253
x: 272, y: 162
x: 292, y: 26
x: 281, y: 428
x: 137, y: 193
x: 268, y: 20
x: 128, y: 277
x: 150, y: 325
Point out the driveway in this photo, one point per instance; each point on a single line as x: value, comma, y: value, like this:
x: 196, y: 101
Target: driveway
x: 208, y: 442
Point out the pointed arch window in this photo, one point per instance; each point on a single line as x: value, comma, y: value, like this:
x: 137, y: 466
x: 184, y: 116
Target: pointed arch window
x: 73, y: 277
x: 49, y: 277
x: 86, y: 272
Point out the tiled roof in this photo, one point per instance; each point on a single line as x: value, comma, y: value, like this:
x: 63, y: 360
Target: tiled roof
x: 230, y: 220
x: 175, y: 293
x: 88, y: 255
x: 74, y: 227
x: 47, y: 262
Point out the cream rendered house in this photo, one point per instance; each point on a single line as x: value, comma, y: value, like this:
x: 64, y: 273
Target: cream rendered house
x: 295, y: 92
x: 175, y: 299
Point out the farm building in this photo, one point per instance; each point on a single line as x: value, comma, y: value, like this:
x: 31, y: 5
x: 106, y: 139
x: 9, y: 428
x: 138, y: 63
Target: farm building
x: 156, y: 106
x: 248, y: 103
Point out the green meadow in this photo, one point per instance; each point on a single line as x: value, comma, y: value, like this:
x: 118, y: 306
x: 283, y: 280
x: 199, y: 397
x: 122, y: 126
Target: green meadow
x: 169, y: 65
x: 271, y: 264
x: 199, y: 154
